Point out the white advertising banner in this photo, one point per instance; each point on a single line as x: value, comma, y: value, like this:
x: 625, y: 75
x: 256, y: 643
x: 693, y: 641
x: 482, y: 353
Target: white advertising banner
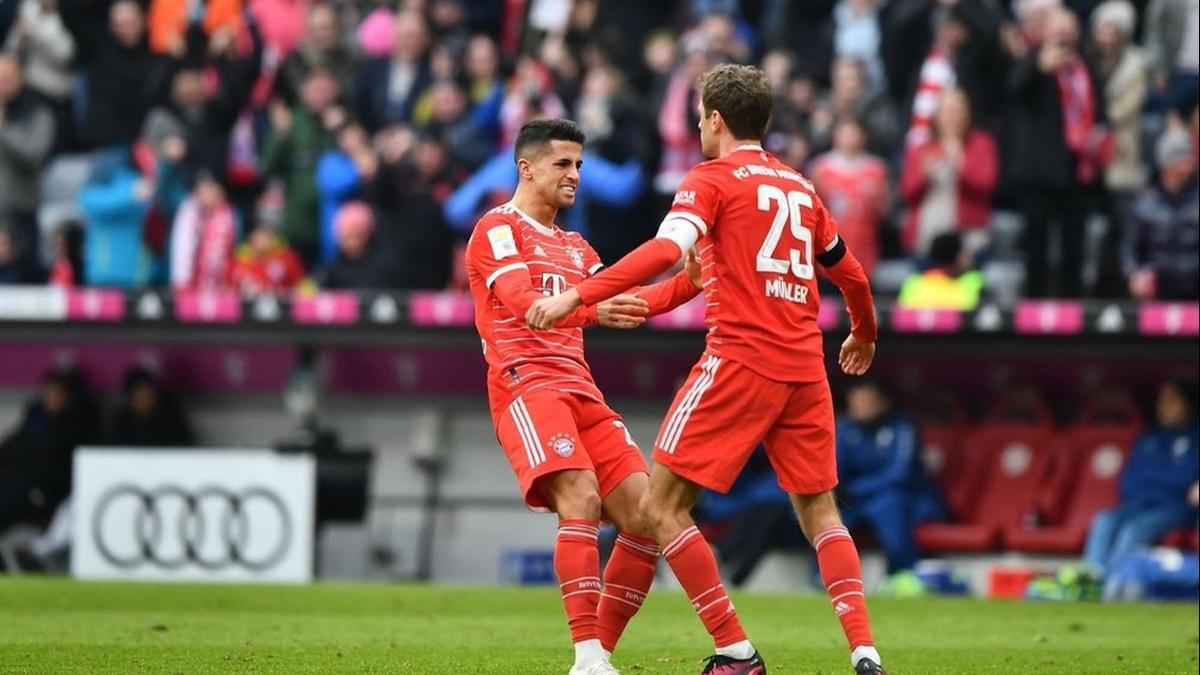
x: 193, y: 515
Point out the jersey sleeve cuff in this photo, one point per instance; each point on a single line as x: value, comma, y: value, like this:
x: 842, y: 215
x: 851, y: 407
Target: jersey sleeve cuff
x: 501, y: 271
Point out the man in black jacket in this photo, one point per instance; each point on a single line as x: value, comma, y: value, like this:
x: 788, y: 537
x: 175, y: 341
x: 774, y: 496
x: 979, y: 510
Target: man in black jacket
x: 1053, y: 163
x: 35, y: 458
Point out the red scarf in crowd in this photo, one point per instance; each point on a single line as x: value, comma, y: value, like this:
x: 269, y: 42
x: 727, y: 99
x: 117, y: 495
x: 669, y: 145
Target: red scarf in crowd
x: 1079, y: 117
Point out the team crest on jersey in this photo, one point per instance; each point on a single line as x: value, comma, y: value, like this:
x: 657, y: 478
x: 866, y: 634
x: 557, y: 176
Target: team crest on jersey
x: 562, y: 445
x: 576, y: 257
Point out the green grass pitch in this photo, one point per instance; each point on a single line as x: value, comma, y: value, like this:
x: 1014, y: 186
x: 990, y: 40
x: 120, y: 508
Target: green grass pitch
x: 61, y: 626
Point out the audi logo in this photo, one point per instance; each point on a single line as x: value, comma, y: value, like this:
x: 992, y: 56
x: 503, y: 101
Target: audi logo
x: 211, y: 527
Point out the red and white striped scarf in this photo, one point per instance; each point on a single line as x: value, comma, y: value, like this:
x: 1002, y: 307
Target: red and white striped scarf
x: 937, y: 75
x: 1079, y: 116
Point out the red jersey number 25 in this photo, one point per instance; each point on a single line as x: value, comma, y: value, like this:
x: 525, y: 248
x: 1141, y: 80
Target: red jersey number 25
x: 786, y: 206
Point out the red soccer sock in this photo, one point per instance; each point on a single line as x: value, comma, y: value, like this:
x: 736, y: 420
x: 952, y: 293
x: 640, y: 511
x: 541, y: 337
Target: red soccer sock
x: 577, y: 564
x: 627, y: 579
x: 842, y: 574
x: 692, y: 561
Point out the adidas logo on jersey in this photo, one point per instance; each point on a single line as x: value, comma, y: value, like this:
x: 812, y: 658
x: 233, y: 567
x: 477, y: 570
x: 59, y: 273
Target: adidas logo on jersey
x: 539, y: 250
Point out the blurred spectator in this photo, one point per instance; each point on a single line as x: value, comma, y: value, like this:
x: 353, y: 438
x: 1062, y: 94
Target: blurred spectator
x: 1172, y: 37
x: 1121, y: 71
x: 66, y: 255
x: 115, y: 201
x: 530, y: 94
x: 678, y: 118
x: 880, y: 475
x: 16, y: 266
x: 720, y: 32
x: 35, y: 457
x: 203, y: 108
x: 388, y: 88
x: 1161, y: 251
x: 1054, y: 153
x: 854, y: 187
x: 341, y: 173
x: 123, y: 77
x: 948, y: 283
x: 26, y: 139
x: 947, y: 181
x: 148, y: 415
x: 202, y: 238
x: 42, y: 42
x: 322, y: 48
x: 851, y: 97
x: 264, y: 265
x: 361, y: 262
x: 856, y: 36
x: 932, y: 46
x: 449, y: 116
x: 299, y: 137
x: 414, y: 179
x: 170, y: 21
x: 1158, y: 488
x: 283, y: 23
x: 481, y: 69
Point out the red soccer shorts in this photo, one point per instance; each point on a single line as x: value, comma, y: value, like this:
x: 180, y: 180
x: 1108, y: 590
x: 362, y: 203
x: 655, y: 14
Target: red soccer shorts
x: 549, y: 431
x: 725, y: 410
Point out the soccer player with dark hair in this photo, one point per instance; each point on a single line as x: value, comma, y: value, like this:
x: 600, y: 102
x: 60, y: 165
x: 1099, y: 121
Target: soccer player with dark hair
x: 571, y: 453
x: 761, y: 231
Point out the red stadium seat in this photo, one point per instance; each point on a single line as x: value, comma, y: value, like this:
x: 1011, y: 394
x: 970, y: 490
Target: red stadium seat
x: 1084, y: 483
x: 1013, y: 459
x: 945, y: 461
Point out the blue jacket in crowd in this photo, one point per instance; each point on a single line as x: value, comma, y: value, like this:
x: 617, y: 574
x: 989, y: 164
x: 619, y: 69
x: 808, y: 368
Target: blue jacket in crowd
x: 881, y: 457
x: 1164, y: 462
x: 115, y: 254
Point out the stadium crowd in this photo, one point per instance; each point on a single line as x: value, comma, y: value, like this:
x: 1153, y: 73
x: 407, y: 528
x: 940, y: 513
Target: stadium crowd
x: 1044, y: 146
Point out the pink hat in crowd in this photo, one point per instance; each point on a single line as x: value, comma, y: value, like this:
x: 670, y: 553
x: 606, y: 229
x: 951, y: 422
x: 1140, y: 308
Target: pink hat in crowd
x: 377, y: 33
x: 354, y: 218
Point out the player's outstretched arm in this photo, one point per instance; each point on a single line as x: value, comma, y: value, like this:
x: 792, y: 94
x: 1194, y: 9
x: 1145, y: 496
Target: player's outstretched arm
x: 843, y: 269
x: 646, y: 261
x: 671, y: 293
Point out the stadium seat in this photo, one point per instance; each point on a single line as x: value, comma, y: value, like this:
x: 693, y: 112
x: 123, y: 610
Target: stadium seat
x: 944, y: 459
x: 1012, y: 460
x: 1084, y: 483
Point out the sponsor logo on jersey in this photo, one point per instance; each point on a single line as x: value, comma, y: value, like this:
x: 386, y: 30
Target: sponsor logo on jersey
x: 562, y: 445
x: 503, y: 243
x: 685, y: 197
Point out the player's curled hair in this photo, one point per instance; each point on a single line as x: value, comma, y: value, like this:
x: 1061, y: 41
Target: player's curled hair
x: 742, y: 94
x: 537, y: 134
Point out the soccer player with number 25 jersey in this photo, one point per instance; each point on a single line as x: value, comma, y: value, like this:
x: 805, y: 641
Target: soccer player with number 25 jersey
x: 761, y: 231
x: 570, y: 452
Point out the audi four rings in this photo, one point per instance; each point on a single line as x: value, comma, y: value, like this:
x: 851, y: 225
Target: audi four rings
x: 213, y: 527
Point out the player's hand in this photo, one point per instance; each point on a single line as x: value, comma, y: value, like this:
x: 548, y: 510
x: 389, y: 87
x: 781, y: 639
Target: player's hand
x: 691, y: 265
x: 856, y: 357
x: 622, y: 311
x: 546, y: 311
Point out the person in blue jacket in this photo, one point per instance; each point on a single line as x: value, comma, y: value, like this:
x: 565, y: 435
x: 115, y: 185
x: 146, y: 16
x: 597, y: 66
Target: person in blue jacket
x: 1158, y: 488
x: 114, y: 202
x: 880, y: 475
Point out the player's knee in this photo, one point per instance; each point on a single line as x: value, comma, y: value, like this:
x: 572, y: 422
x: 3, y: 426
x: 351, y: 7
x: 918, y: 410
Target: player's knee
x: 656, y: 513
x: 816, y: 513
x: 582, y: 502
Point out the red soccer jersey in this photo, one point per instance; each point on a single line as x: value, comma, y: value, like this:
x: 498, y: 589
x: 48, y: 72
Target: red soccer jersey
x: 761, y: 227
x: 520, y: 360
